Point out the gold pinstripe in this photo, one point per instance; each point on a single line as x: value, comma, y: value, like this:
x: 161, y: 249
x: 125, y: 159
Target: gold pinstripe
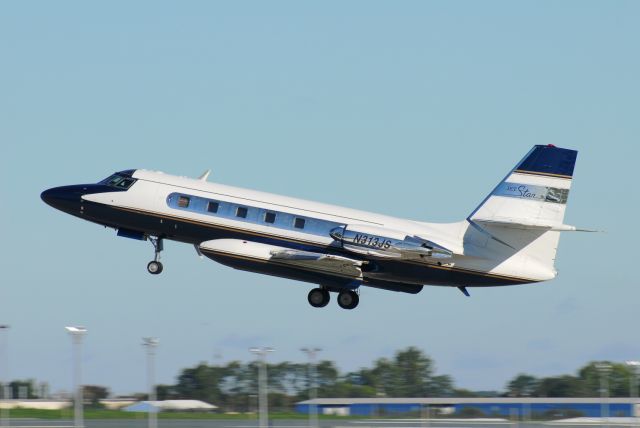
x: 544, y: 174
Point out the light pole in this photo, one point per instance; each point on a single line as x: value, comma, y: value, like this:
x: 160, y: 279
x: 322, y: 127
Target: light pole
x: 525, y: 407
x: 633, y: 381
x: 4, y: 374
x: 604, y: 369
x: 77, y: 334
x: 251, y: 400
x: 633, y: 385
x: 424, y: 414
x: 150, y: 344
x: 313, y: 387
x: 216, y: 358
x: 262, y: 384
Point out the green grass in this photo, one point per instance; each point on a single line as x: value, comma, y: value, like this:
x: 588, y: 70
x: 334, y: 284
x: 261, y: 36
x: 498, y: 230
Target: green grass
x: 119, y: 414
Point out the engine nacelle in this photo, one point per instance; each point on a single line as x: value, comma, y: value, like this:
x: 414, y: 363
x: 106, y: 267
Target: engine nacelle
x: 386, y: 243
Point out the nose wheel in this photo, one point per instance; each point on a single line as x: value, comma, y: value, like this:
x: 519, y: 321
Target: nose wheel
x: 155, y: 266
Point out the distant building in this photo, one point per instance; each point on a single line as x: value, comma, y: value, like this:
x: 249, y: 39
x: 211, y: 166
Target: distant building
x: 521, y: 408
x: 58, y: 404
x: 117, y: 403
x: 170, y: 405
x: 35, y: 403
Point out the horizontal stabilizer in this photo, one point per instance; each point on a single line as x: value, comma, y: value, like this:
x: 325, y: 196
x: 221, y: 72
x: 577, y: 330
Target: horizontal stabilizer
x: 523, y: 224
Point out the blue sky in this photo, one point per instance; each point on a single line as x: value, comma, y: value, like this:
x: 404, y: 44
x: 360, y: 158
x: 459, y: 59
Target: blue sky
x: 414, y: 109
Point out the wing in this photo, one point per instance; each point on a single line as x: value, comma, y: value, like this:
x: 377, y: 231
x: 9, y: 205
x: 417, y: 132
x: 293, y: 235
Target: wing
x: 224, y: 250
x: 324, y: 262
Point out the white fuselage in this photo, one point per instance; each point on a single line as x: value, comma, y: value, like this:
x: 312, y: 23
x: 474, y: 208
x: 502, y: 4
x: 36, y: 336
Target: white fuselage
x: 472, y: 251
x: 510, y: 238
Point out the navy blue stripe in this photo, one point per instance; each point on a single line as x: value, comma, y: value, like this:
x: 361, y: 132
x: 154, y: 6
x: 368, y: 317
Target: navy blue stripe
x: 549, y: 160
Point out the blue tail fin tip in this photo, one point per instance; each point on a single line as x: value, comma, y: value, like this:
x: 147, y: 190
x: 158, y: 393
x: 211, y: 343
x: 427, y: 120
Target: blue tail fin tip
x: 549, y: 160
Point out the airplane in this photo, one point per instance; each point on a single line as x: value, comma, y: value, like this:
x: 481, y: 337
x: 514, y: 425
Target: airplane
x: 510, y: 238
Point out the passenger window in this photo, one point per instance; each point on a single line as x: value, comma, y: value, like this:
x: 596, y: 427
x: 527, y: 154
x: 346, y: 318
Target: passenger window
x: 269, y: 217
x: 298, y: 223
x: 212, y: 207
x: 241, y: 212
x: 183, y: 202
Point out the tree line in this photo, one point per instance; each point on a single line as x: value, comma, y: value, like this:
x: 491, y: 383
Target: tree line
x: 233, y: 386
x: 618, y: 379
x: 409, y: 373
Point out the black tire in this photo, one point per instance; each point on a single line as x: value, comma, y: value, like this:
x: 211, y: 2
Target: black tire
x: 318, y: 298
x: 348, y: 299
x: 154, y: 268
x: 327, y: 296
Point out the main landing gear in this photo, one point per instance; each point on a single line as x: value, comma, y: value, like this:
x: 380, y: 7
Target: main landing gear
x: 348, y: 299
x: 319, y: 298
x: 155, y: 266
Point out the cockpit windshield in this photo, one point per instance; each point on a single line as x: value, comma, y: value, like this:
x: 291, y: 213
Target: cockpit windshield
x: 119, y: 181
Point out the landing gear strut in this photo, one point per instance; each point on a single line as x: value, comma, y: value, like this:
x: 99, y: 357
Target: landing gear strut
x: 348, y: 299
x: 318, y: 297
x: 155, y: 267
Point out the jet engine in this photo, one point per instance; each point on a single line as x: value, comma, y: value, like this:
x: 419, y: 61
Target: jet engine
x: 386, y: 243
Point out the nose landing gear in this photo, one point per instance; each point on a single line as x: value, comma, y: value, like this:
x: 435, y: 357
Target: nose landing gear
x: 155, y: 266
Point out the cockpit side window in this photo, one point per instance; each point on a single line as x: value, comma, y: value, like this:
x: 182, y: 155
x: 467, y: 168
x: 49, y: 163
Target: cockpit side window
x: 115, y: 180
x: 118, y: 181
x: 110, y: 179
x: 125, y: 183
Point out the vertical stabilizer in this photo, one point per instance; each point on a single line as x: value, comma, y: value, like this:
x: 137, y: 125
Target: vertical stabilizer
x: 534, y: 193
x: 524, y: 213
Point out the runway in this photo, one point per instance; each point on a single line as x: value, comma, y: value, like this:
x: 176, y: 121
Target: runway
x: 327, y: 423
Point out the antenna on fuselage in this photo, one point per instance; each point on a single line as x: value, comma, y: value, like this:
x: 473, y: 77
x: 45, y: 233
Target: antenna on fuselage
x: 205, y: 175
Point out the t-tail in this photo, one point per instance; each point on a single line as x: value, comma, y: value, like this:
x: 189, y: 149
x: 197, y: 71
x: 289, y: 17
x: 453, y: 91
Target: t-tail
x: 523, y: 216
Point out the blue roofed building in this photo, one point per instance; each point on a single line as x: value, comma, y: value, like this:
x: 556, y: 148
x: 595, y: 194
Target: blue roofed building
x: 507, y: 407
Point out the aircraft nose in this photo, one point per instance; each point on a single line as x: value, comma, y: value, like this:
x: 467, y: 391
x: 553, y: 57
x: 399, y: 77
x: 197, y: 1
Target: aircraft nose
x: 64, y: 198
